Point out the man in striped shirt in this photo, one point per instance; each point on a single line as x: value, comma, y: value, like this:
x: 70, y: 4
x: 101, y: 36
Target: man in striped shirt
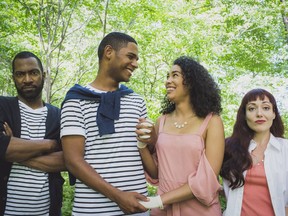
x: 30, y: 160
x: 98, y: 123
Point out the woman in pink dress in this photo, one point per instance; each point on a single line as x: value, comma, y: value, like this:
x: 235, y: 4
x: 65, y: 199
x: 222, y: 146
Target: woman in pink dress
x: 190, y: 144
x: 255, y: 167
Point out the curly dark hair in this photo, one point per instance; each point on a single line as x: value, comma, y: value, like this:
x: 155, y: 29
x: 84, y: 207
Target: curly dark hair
x: 204, y: 92
x: 236, y: 157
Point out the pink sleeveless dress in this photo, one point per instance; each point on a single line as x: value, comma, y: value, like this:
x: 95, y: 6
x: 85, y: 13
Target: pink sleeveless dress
x: 181, y: 159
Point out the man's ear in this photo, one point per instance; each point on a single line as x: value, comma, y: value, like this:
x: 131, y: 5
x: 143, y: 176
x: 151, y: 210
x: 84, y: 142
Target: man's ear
x: 108, y: 52
x: 44, y: 75
x: 13, y: 78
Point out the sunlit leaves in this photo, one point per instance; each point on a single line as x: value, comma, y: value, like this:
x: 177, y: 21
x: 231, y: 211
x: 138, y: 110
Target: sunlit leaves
x: 232, y: 39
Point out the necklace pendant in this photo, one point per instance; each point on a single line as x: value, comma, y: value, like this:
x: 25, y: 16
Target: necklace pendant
x: 179, y: 126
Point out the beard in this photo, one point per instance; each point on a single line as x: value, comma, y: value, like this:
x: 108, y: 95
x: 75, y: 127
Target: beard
x: 32, y: 94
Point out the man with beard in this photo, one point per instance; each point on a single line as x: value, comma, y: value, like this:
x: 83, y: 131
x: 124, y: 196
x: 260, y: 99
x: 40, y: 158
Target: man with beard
x: 30, y: 156
x: 98, y: 124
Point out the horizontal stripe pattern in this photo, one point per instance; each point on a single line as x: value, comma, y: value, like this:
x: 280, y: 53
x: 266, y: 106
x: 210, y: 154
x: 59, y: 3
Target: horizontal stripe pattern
x: 114, y: 156
x: 28, y: 189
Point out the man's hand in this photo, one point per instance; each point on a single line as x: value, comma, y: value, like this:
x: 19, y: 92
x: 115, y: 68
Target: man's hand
x: 8, y: 131
x: 129, y: 202
x: 54, y: 145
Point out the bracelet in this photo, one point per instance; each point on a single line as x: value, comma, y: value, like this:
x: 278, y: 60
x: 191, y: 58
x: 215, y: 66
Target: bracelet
x: 141, y: 145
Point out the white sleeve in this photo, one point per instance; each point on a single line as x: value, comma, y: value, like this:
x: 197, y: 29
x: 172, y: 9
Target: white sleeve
x: 285, y: 156
x: 226, y: 188
x: 72, y: 121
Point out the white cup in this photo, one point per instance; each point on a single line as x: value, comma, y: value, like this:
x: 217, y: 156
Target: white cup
x: 147, y: 123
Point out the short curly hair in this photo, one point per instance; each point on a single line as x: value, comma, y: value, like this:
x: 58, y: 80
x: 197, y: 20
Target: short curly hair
x: 117, y: 40
x: 204, y: 92
x: 24, y: 55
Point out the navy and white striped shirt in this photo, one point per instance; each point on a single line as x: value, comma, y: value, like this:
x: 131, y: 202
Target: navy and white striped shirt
x: 28, y: 189
x: 114, y: 156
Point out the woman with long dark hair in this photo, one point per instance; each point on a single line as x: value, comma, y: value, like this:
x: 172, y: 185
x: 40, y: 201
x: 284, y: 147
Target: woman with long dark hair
x: 190, y: 144
x: 255, y: 167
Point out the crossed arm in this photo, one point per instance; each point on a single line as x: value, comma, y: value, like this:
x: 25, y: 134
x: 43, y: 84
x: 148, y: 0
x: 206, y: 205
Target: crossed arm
x: 43, y: 155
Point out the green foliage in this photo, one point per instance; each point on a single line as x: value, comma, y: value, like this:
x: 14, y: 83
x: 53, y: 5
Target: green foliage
x: 243, y: 44
x: 68, y: 196
x: 152, y: 190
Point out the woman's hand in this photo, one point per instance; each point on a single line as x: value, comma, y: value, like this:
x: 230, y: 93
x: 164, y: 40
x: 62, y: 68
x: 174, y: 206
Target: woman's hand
x: 146, y: 133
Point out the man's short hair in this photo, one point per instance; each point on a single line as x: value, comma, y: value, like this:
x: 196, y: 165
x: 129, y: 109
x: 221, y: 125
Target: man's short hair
x: 116, y: 40
x: 26, y: 54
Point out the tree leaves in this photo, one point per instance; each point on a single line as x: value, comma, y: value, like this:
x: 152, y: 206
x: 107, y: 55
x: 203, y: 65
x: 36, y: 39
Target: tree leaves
x: 233, y: 40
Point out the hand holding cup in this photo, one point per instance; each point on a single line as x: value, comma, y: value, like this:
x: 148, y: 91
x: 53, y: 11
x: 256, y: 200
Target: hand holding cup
x: 144, y: 130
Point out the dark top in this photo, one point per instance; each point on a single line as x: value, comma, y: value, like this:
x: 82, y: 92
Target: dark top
x: 10, y: 113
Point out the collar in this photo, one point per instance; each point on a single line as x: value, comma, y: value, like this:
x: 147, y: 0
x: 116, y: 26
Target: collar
x: 272, y: 143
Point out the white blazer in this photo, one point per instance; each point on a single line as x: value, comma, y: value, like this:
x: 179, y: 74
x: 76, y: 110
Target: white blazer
x: 276, y: 169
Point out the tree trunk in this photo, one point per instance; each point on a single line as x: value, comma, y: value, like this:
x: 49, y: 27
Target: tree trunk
x: 285, y: 18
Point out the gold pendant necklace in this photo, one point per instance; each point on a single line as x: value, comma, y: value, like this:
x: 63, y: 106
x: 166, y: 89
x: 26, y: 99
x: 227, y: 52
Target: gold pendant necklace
x: 256, y: 161
x: 179, y: 126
